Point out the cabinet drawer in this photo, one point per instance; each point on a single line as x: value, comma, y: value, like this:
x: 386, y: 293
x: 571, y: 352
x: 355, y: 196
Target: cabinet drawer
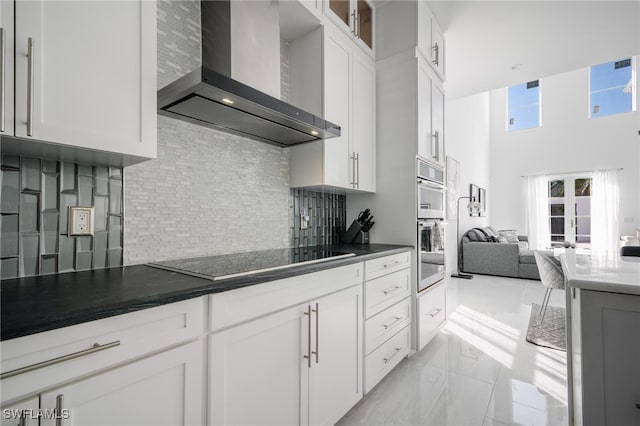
x: 382, y: 326
x: 95, y: 345
x: 432, y: 312
x: 385, y: 265
x: 379, y: 363
x: 244, y: 304
x: 385, y: 291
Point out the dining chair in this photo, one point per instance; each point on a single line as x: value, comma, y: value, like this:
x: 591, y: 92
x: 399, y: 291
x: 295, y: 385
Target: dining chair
x: 551, y: 276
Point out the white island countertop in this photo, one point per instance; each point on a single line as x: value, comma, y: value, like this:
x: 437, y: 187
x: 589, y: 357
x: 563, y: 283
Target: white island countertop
x: 614, y: 274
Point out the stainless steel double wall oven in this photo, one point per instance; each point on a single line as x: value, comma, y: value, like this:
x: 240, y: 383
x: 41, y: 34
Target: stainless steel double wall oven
x: 431, y: 215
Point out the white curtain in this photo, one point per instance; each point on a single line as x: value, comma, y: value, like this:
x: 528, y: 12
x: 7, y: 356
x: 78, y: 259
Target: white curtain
x: 605, y: 196
x: 537, y: 214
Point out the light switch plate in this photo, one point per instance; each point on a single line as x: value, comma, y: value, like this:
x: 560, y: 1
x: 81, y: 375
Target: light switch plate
x: 80, y: 221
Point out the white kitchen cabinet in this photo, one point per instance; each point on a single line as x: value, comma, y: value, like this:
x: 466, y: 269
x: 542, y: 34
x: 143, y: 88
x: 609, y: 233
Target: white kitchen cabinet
x: 430, y: 101
x: 410, y: 25
x: 346, y: 162
x: 388, y: 313
x: 256, y: 371
x: 605, y: 349
x: 6, y: 68
x: 301, y: 365
x: 123, y: 370
x: 85, y: 75
x: 23, y: 413
x: 163, y: 389
x: 431, y: 313
x: 356, y: 19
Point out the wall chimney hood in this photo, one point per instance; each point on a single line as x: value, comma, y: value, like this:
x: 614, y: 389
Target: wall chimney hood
x: 237, y: 87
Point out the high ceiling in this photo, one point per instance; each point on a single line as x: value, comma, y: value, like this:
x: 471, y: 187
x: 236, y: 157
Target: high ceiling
x: 485, y: 39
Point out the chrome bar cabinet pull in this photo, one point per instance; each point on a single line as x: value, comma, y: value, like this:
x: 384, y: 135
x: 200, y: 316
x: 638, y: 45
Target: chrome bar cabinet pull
x: 354, y: 15
x: 391, y: 290
x: 392, y: 323
x: 95, y: 348
x: 434, y: 312
x: 59, y: 407
x: 436, y: 138
x: 308, y: 356
x: 317, y: 311
x: 29, y: 86
x: 2, y: 77
x: 436, y: 51
x: 386, y: 360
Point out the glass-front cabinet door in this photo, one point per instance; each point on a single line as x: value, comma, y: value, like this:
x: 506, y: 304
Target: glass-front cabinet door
x: 355, y: 17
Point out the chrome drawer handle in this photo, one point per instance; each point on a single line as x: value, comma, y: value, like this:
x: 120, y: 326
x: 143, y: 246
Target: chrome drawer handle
x: 95, y: 348
x: 434, y: 312
x: 2, y: 68
x: 397, y: 262
x: 391, y: 290
x: 308, y: 356
x: 395, y: 321
x: 386, y: 360
x: 30, y: 86
x: 59, y: 407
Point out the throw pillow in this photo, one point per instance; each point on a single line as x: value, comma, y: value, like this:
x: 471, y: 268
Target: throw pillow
x: 510, y: 234
x: 502, y: 239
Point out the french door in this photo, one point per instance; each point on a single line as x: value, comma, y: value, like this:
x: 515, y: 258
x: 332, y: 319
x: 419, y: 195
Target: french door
x: 570, y: 209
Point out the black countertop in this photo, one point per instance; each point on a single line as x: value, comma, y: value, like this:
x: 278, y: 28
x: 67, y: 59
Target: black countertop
x: 41, y: 303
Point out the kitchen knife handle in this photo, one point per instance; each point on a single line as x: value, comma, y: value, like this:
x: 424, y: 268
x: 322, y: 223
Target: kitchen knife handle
x: 29, y: 86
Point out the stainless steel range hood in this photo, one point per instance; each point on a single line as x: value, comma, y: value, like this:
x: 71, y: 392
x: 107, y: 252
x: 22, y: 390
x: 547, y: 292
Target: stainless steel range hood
x: 240, y: 62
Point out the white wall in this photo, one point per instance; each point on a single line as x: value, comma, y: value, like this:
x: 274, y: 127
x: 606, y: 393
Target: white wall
x: 467, y: 140
x: 568, y: 141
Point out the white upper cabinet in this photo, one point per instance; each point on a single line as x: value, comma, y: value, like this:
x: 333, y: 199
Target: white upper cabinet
x: 409, y: 25
x: 355, y: 17
x: 346, y: 162
x: 430, y: 99
x: 6, y: 68
x: 85, y: 74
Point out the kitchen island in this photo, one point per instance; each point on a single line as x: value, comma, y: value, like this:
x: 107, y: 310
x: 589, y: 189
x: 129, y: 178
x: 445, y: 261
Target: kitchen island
x: 603, y: 339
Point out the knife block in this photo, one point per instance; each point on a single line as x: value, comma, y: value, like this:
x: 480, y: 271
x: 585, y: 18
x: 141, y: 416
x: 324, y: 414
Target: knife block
x: 362, y: 238
x: 352, y: 232
x: 355, y: 234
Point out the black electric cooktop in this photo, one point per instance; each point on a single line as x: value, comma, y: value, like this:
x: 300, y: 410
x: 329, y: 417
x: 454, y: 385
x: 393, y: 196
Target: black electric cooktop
x: 239, y: 264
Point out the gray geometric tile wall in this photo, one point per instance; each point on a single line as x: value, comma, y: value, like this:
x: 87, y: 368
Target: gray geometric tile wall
x: 34, y: 201
x: 327, y: 213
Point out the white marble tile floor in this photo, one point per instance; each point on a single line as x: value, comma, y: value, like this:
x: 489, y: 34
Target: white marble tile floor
x: 479, y: 370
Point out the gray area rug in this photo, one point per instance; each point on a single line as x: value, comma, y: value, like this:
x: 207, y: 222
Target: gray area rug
x: 552, y: 333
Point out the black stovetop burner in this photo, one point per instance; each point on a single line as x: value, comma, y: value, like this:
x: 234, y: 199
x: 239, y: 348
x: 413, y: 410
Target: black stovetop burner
x: 247, y: 263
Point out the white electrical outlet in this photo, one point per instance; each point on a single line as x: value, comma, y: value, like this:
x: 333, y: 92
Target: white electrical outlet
x: 80, y: 221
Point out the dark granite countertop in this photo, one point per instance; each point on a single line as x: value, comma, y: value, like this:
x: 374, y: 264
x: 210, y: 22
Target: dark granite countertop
x: 41, y: 303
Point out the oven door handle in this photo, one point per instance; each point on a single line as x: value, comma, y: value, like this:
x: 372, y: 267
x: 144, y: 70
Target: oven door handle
x: 432, y: 185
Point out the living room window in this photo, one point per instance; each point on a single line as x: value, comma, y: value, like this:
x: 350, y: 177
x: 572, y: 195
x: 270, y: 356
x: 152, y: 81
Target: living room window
x: 570, y: 210
x: 523, y: 106
x: 611, y: 88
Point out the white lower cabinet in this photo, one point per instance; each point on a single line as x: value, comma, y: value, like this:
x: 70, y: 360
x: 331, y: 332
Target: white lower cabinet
x: 604, y: 357
x: 432, y: 312
x: 301, y: 365
x: 163, y: 389
x: 388, y: 312
x: 139, y: 368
